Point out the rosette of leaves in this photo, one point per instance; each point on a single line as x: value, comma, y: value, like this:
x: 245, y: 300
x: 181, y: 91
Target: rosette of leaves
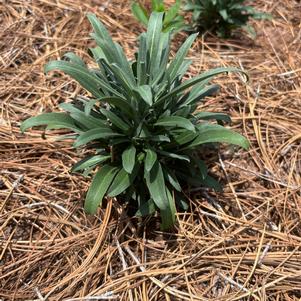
x: 141, y: 119
x: 172, y: 20
x: 223, y: 16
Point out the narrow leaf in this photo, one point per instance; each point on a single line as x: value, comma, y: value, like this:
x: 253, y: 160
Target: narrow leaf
x: 94, y: 134
x: 146, y: 208
x: 140, y: 13
x: 150, y: 159
x: 209, y: 133
x: 211, y: 115
x: 168, y: 215
x: 122, y: 181
x: 59, y: 120
x: 156, y: 185
x: 129, y: 159
x: 116, y: 120
x: 89, y: 162
x: 175, y: 121
x: 98, y: 188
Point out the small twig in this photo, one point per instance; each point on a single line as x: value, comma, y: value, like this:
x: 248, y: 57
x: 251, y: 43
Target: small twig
x: 41, y: 298
x: 59, y: 207
x: 106, y: 296
x: 14, y: 186
x: 124, y: 265
x: 231, y: 281
x: 262, y: 176
x: 231, y: 186
x: 264, y: 253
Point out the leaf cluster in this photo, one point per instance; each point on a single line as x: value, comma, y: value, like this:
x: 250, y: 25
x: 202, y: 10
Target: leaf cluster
x: 141, y: 121
x: 222, y: 16
x: 172, y: 20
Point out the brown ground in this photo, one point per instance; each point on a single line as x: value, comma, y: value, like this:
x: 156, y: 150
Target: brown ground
x: 243, y: 244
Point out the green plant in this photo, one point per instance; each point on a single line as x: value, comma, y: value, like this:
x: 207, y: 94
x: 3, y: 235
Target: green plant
x: 172, y: 21
x: 141, y: 121
x: 222, y: 16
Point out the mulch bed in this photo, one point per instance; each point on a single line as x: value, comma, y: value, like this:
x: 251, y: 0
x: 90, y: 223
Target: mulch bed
x: 242, y: 244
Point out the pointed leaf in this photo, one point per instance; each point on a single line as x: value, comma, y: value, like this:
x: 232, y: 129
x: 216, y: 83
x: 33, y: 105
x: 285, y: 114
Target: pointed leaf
x: 122, y: 181
x: 212, y: 115
x: 94, y: 134
x: 145, y: 93
x: 146, y: 208
x: 116, y: 120
x: 175, y: 121
x: 150, y: 159
x: 89, y: 162
x: 168, y: 215
x: 154, y: 32
x: 180, y: 56
x: 197, y: 79
x: 209, y: 133
x: 140, y: 13
x: 87, y: 79
x: 156, y: 185
x: 174, y: 156
x: 129, y: 159
x: 59, y: 120
x: 98, y: 188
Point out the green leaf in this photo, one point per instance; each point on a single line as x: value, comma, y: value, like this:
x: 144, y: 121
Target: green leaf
x: 59, y: 120
x: 75, y: 59
x: 173, y: 69
x: 158, y: 6
x: 171, y: 14
x: 168, y: 215
x: 117, y: 102
x: 199, y: 92
x: 122, y: 181
x: 211, y: 115
x: 99, y: 186
x: 180, y: 201
x: 129, y: 159
x: 150, y: 159
x: 142, y: 75
x: 224, y: 14
x: 172, y: 179
x: 140, y: 13
x: 146, y: 208
x: 117, y: 121
x: 89, y: 161
x: 159, y: 138
x: 185, y: 137
x: 87, y: 121
x: 174, y: 156
x: 193, y: 81
x: 112, y: 51
x: 123, y: 79
x: 94, y: 134
x: 209, y: 133
x: 212, y: 183
x: 153, y: 35
x: 82, y: 75
x: 145, y: 93
x: 156, y: 185
x: 175, y: 121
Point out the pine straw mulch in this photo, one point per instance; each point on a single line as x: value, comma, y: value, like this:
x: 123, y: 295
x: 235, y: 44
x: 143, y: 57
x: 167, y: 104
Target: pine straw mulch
x: 242, y: 244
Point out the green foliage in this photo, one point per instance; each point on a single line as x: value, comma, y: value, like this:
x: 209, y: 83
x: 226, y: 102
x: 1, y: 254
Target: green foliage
x: 141, y: 120
x: 222, y: 16
x: 172, y: 20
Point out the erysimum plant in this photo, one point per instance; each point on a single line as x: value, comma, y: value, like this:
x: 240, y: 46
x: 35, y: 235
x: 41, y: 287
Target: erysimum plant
x: 172, y: 20
x: 141, y: 120
x: 222, y: 16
